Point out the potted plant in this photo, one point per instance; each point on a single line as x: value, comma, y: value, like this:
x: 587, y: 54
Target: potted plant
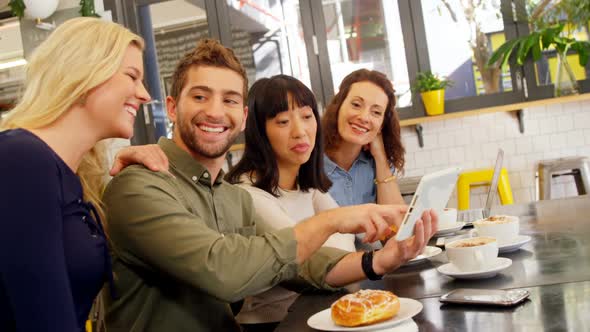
x: 541, y: 40
x: 432, y: 89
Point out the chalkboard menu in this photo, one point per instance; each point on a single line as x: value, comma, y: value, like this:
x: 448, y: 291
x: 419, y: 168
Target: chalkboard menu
x: 172, y: 45
x: 243, y: 49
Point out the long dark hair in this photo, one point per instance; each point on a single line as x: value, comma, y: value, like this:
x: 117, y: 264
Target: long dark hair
x: 267, y: 98
x: 391, y: 130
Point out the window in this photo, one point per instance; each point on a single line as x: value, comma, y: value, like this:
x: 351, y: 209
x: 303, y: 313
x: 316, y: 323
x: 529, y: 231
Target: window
x: 359, y: 35
x: 177, y: 26
x: 267, y: 36
x: 576, y: 25
x: 472, y: 30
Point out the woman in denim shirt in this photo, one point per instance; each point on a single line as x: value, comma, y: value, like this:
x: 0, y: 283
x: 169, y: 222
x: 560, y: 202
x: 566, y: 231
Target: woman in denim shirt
x: 362, y: 141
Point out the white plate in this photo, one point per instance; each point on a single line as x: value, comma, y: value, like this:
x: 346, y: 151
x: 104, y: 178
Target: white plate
x: 514, y: 244
x: 323, y: 319
x: 451, y: 270
x: 449, y: 230
x: 423, y: 257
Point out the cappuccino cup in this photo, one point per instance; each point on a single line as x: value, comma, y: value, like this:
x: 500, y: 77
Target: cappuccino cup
x: 447, y: 218
x: 504, y: 228
x: 472, y: 254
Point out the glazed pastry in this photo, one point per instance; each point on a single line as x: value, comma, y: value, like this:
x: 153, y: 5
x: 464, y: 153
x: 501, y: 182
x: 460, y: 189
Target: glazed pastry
x: 365, y: 307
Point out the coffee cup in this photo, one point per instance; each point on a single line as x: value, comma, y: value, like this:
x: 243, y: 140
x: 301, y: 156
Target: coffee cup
x: 472, y: 254
x: 447, y: 218
x: 504, y: 228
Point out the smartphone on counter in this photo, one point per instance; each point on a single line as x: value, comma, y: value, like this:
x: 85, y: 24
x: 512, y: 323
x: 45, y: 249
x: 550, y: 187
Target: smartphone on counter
x: 497, y: 297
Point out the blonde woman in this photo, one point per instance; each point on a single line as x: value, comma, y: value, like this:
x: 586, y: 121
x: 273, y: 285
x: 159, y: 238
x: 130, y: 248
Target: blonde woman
x: 83, y: 85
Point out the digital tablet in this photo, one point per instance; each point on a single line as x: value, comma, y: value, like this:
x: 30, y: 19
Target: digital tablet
x: 433, y: 192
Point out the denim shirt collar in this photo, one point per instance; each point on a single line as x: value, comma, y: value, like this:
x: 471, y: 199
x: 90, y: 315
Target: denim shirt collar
x: 330, y: 166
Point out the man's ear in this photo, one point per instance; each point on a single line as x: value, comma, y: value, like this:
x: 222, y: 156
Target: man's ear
x: 245, y: 117
x: 171, y: 109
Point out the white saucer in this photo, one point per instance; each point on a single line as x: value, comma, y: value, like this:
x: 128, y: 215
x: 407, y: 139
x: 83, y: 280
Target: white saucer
x: 449, y: 230
x: 451, y: 270
x: 423, y: 257
x: 408, y: 309
x: 515, y: 244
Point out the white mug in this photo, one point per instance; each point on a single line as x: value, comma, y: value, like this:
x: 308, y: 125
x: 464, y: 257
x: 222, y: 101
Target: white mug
x: 505, y: 230
x: 472, y: 254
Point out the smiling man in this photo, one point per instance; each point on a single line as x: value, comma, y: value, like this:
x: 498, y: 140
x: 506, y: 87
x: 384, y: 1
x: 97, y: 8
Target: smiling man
x: 184, y: 246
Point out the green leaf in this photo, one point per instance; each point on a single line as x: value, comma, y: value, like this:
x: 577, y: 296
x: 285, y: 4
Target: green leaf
x: 520, y: 56
x: 427, y: 81
x: 17, y: 7
x: 583, y: 55
x: 497, y: 54
x: 507, y: 55
x: 526, y: 45
x: 502, y: 53
x: 583, y: 50
x: 87, y: 8
x: 550, y: 35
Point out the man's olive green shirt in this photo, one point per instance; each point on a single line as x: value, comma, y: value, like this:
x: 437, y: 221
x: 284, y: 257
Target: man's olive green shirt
x: 184, y: 248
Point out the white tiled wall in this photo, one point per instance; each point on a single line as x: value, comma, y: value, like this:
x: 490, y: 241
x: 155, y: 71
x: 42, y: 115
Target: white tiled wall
x: 551, y: 131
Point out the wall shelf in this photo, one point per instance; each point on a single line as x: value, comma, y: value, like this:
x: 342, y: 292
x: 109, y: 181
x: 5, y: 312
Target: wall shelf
x: 518, y: 107
x: 495, y: 109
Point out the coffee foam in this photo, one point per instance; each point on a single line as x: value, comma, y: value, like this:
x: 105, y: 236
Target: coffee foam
x: 473, y: 242
x: 497, y: 220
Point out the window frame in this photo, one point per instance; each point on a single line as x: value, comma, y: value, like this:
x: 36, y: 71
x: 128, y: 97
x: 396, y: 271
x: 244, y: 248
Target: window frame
x: 418, y: 37
x: 515, y: 20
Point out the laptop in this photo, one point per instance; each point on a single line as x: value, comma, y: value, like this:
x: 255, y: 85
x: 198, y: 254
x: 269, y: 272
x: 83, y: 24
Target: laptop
x: 471, y: 215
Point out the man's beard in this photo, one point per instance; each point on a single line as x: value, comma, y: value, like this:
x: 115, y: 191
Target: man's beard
x: 187, y: 133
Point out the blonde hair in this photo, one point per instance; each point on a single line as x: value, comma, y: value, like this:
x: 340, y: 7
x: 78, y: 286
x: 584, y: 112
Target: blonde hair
x: 79, y: 55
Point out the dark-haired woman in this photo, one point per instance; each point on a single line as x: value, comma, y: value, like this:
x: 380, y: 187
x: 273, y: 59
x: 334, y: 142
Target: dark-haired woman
x: 362, y: 140
x: 285, y: 178
x: 282, y: 168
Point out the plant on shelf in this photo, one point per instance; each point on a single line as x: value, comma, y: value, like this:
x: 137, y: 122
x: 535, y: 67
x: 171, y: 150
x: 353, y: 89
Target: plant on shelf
x: 432, y: 89
x: 553, y: 24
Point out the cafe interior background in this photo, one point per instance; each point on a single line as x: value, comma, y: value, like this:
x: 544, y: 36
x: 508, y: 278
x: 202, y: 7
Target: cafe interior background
x: 514, y: 108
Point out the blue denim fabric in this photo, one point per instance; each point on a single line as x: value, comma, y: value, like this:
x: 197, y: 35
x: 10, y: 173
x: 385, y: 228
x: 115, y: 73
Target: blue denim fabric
x: 353, y: 187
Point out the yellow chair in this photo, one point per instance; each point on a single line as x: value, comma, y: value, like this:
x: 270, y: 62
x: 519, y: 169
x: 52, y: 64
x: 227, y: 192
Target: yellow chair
x: 470, y: 178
